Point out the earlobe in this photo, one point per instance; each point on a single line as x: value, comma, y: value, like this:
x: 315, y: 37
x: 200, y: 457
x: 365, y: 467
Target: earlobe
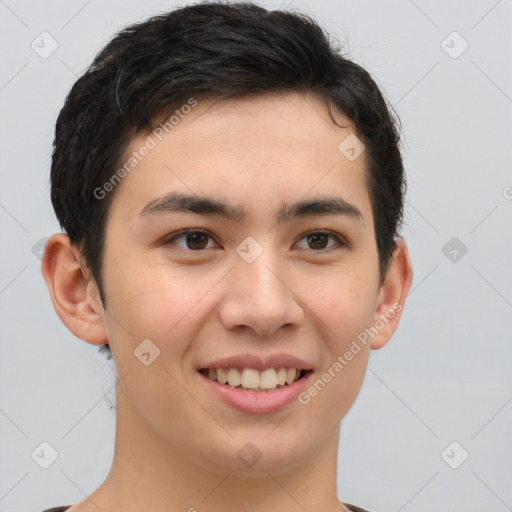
x: 75, y: 297
x: 392, y: 295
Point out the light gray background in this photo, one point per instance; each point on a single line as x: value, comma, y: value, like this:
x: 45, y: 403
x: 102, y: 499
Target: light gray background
x: 446, y: 374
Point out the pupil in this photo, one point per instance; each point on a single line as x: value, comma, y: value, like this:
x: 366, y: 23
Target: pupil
x: 196, y: 238
x: 318, y: 238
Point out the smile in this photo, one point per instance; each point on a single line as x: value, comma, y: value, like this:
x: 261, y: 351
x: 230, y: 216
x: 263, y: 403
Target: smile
x: 245, y: 391
x: 253, y: 380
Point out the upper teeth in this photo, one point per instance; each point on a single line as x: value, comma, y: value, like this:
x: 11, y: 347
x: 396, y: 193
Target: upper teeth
x: 250, y: 378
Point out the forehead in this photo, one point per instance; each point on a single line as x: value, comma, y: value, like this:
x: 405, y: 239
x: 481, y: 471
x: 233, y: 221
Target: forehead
x: 259, y: 149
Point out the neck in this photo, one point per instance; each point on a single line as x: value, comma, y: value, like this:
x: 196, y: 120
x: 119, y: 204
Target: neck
x: 146, y: 476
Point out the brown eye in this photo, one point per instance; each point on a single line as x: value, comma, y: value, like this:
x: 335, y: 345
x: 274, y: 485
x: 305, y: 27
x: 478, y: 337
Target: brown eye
x: 193, y: 240
x: 196, y: 240
x: 320, y: 240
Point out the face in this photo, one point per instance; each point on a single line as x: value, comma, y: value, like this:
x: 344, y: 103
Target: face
x: 263, y: 256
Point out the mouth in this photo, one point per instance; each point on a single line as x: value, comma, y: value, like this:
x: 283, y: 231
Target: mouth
x: 252, y: 380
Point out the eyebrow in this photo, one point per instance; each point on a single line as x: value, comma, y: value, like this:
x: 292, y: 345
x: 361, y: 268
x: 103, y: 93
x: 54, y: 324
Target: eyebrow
x: 179, y: 202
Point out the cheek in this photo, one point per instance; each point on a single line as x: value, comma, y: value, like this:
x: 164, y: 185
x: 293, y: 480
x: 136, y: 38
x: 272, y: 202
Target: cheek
x: 346, y: 303
x: 347, y: 306
x: 156, y: 305
x: 159, y: 303
x: 335, y: 387
x: 154, y: 297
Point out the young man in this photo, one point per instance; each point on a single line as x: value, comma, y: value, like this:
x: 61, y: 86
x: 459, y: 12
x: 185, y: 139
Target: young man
x: 230, y: 188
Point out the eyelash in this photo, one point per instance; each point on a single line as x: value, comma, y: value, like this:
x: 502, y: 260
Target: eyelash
x: 339, y: 239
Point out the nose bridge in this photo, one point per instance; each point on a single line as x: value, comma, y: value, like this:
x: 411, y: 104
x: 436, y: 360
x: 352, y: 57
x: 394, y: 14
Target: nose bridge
x: 259, y: 297
x: 261, y: 278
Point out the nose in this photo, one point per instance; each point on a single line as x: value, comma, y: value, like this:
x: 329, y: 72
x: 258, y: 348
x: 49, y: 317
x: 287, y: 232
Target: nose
x: 260, y: 297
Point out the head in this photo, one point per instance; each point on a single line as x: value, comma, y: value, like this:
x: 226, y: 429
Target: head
x: 240, y: 113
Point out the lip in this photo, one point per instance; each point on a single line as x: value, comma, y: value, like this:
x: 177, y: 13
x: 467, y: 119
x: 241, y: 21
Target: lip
x: 259, y: 362
x: 253, y: 402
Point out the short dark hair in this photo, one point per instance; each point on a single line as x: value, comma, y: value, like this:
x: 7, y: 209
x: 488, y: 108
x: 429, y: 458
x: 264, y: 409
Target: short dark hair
x: 210, y: 50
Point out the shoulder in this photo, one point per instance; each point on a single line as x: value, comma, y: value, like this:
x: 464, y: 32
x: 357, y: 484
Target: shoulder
x: 353, y: 508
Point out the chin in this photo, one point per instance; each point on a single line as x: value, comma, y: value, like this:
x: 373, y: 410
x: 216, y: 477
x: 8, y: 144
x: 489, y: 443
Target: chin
x: 255, y: 455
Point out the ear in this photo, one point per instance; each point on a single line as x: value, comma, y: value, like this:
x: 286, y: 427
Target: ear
x: 74, y: 295
x: 392, y: 295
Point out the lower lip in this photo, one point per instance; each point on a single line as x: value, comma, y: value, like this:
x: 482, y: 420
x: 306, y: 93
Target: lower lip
x: 257, y: 403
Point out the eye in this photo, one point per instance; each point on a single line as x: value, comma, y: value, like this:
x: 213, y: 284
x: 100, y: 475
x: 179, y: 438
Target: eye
x: 192, y: 239
x: 319, y: 240
x: 197, y: 240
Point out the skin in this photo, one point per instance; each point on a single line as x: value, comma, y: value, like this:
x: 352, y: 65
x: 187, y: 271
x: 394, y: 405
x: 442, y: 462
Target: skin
x: 176, y: 444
